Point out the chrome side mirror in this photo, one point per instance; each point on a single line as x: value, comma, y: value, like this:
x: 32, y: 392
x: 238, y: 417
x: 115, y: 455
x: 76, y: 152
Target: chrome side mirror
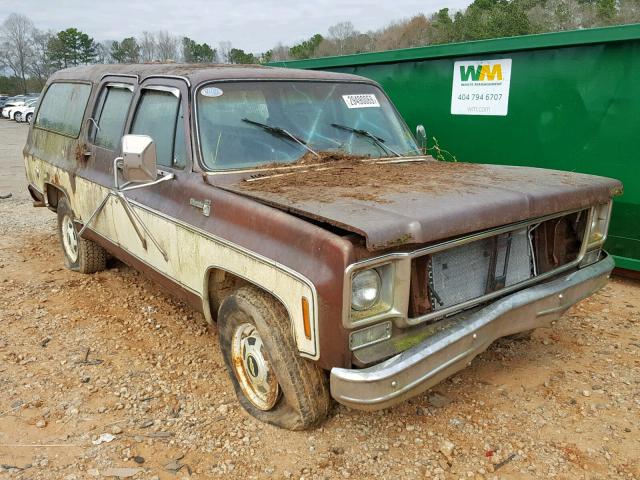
x: 421, y: 136
x: 139, y: 158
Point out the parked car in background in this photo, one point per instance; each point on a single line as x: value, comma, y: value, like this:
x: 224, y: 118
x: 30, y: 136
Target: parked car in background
x: 9, y: 110
x: 27, y: 115
x: 3, y: 99
x: 18, y: 112
x: 17, y: 101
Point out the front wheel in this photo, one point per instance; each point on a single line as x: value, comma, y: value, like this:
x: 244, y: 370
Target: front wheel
x: 272, y: 382
x: 80, y: 255
x: 18, y: 117
x: 28, y: 117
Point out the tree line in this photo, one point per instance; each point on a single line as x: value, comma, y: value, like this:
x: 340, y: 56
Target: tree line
x: 481, y: 20
x: 30, y: 55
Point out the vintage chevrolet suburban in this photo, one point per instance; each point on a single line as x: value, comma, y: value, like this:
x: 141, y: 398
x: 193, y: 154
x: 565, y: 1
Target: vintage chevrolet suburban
x: 296, y: 210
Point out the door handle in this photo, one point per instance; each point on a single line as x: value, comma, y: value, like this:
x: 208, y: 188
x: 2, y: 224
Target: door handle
x: 204, y: 205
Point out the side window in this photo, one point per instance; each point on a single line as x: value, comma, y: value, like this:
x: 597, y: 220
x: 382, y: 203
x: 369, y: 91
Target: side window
x: 156, y: 116
x: 113, y: 108
x: 63, y: 107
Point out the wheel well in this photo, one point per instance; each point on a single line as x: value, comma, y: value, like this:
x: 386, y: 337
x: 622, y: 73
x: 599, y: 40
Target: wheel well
x: 54, y: 194
x: 221, y: 284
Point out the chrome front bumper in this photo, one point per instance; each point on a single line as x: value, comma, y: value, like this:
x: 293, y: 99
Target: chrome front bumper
x: 423, y: 366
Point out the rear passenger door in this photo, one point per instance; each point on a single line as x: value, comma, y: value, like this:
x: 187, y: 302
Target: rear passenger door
x: 159, y: 114
x: 105, y: 128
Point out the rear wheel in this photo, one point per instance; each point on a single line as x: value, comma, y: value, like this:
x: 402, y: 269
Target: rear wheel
x: 28, y: 117
x: 17, y: 117
x: 80, y: 255
x: 272, y: 382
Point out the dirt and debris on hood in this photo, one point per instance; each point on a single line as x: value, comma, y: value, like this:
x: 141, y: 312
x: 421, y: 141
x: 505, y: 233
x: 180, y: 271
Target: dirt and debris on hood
x: 418, y: 199
x: 348, y: 176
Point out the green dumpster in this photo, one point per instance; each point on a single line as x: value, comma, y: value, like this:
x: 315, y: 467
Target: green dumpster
x: 572, y: 103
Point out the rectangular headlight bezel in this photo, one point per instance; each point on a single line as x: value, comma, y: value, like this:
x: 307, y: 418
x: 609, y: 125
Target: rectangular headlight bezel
x: 599, y: 225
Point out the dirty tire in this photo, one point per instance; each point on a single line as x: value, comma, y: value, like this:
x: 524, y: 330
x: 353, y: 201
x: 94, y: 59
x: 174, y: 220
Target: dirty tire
x: 89, y: 257
x: 521, y: 336
x: 304, y: 399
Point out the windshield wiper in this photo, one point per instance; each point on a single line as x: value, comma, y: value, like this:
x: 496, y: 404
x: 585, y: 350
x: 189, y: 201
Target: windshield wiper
x: 377, y: 140
x: 281, y: 132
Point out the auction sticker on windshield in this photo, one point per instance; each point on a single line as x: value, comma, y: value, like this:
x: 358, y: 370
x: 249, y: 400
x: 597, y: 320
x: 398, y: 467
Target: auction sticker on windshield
x: 364, y: 100
x: 481, y: 87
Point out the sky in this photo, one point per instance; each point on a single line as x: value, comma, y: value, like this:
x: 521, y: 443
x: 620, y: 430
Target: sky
x: 252, y: 25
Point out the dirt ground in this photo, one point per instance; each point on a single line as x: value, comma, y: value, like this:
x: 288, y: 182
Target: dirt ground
x: 107, y: 376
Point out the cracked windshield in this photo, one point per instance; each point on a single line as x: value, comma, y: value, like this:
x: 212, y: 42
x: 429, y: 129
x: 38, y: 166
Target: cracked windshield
x: 250, y: 124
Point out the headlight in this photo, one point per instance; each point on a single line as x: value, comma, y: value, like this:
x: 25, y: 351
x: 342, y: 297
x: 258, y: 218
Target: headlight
x: 365, y: 289
x: 599, y: 224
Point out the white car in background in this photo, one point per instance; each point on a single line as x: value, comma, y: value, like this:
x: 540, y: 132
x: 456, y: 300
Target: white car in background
x: 18, y: 113
x: 10, y: 105
x: 26, y: 116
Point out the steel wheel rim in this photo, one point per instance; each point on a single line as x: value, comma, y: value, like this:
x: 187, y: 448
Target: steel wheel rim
x: 69, y: 238
x: 252, y: 367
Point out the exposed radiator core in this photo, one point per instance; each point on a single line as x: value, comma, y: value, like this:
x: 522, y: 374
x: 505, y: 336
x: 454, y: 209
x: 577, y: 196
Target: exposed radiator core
x: 470, y: 271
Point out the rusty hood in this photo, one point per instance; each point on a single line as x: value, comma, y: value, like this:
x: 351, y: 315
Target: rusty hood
x: 391, y: 203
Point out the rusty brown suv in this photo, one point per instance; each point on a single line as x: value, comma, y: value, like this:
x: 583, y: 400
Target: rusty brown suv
x: 297, y: 211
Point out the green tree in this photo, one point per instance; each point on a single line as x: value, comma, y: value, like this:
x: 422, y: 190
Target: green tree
x: 266, y: 57
x: 194, y: 52
x: 71, y: 47
x: 606, y: 10
x: 441, y: 27
x: 126, y: 51
x: 237, y: 55
x: 307, y: 48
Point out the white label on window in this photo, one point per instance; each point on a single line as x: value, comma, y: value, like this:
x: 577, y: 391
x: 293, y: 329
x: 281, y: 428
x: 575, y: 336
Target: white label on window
x: 364, y: 100
x: 481, y: 87
x: 211, y: 92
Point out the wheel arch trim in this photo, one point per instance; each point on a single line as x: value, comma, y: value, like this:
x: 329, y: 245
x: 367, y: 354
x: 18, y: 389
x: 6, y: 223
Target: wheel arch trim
x: 296, y: 326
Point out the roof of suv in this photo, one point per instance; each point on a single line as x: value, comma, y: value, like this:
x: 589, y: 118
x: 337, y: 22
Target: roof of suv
x: 197, y: 73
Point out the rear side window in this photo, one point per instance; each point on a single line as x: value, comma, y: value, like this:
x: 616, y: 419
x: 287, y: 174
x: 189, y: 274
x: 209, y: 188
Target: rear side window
x: 156, y: 116
x: 113, y: 108
x: 63, y: 107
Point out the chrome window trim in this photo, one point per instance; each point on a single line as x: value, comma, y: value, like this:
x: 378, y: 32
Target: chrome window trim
x: 128, y: 75
x: 127, y: 86
x: 175, y: 91
x: 399, y: 310
x: 174, y: 77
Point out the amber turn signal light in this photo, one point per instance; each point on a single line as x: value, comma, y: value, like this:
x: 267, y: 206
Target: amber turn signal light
x: 306, y: 318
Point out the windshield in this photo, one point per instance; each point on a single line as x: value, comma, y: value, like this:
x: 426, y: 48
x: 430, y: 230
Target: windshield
x: 249, y: 124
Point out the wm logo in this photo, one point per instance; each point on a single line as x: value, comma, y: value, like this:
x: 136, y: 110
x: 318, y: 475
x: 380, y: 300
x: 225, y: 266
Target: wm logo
x: 481, y: 73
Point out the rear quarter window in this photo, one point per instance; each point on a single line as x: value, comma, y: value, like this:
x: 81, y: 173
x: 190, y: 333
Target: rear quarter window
x: 62, y: 108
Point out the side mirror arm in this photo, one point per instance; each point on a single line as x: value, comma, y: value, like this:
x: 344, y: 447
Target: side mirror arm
x: 135, y: 220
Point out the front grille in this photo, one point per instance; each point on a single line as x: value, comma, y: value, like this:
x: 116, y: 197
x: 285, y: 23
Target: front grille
x: 476, y: 269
